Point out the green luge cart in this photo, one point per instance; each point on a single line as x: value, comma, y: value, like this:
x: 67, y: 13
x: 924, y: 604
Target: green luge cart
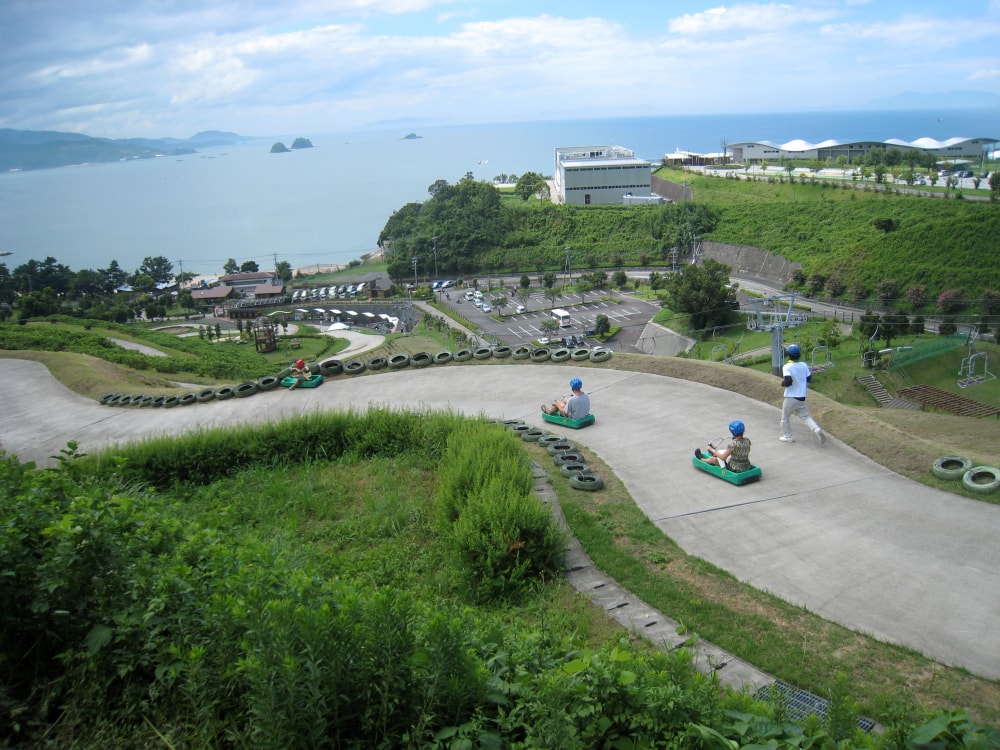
x: 311, y: 382
x: 576, y: 424
x: 753, y: 474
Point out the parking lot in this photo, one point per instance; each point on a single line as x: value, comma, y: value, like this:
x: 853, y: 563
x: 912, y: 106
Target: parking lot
x: 622, y: 310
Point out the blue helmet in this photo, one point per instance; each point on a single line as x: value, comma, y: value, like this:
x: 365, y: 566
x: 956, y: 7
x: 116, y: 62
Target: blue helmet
x: 794, y: 352
x: 736, y: 427
x: 576, y: 384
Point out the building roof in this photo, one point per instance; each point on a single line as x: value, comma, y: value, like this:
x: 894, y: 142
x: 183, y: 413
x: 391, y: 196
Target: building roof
x: 799, y: 144
x: 269, y: 289
x: 215, y: 292
x: 259, y: 276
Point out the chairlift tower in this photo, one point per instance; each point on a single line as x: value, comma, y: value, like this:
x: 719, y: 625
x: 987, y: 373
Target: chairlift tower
x: 770, y: 314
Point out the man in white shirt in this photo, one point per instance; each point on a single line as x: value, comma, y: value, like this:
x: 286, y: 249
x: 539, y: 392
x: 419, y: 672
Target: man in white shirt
x: 795, y: 379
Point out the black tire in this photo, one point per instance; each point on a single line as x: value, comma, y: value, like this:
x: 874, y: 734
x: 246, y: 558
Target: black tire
x: 546, y: 440
x: 520, y: 429
x: 225, y: 393
x: 171, y: 401
x: 315, y: 368
x: 399, y: 361
x: 951, y: 467
x: 421, y: 359
x: 560, y: 446
x: 283, y: 373
x: 586, y: 482
x: 568, y: 470
x: 601, y: 355
x: 188, y: 398
x: 442, y: 358
x: 378, y: 363
x: 483, y: 352
x: 502, y: 352
x: 463, y: 355
x: 106, y: 398
x: 981, y: 479
x: 158, y: 401
x: 206, y: 395
x: 532, y: 435
x: 115, y: 399
x: 512, y: 423
x: 144, y: 400
x: 355, y: 367
x: 268, y: 383
x: 580, y: 355
x: 246, y: 389
x: 541, y: 354
x: 330, y: 368
x: 561, y: 459
x: 560, y: 355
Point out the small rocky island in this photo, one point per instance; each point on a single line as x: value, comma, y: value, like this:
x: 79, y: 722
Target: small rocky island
x: 281, y: 148
x: 411, y: 137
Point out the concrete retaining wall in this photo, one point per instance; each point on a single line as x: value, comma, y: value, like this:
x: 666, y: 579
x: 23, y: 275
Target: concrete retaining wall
x: 750, y: 261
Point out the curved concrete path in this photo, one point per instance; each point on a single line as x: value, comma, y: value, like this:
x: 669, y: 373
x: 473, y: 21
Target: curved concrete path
x: 826, y: 528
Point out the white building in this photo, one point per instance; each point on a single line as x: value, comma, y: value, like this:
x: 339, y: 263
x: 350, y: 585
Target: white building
x: 601, y: 176
x: 757, y: 152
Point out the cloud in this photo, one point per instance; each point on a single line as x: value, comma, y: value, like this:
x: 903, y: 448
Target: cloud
x: 749, y: 18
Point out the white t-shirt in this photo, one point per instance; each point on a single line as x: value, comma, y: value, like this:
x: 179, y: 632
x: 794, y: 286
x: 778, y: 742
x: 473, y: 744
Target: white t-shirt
x: 799, y: 372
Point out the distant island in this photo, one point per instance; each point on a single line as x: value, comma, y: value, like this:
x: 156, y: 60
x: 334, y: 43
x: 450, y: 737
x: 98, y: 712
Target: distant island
x: 23, y: 150
x: 412, y: 136
x: 281, y: 148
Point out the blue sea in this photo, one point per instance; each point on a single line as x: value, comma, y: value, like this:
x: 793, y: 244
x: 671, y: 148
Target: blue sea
x: 327, y: 204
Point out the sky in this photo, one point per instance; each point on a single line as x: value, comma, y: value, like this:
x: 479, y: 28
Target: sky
x: 172, y: 68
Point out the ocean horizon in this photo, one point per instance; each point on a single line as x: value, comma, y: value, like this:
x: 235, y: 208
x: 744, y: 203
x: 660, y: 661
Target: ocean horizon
x: 327, y: 205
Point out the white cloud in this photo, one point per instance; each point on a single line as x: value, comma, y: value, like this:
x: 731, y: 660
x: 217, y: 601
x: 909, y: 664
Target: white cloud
x: 749, y: 18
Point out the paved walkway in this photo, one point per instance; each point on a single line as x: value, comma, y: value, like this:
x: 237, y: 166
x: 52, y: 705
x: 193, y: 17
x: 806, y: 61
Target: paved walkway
x: 826, y: 528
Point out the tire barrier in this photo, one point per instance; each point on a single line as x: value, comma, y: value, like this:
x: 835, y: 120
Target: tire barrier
x: 116, y: 399
x: 463, y: 355
x: 205, y: 396
x: 521, y: 352
x: 541, y: 354
x: 560, y: 355
x: 188, y: 398
x: 421, y: 359
x: 546, y: 440
x: 355, y: 367
x: 580, y: 355
x: 951, y: 467
x: 399, y: 361
x: 442, y: 358
x: 512, y: 423
x: 158, y: 401
x: 601, y: 355
x: 285, y: 373
x: 171, y: 401
x: 225, y: 393
x: 483, y: 352
x: 144, y: 400
x: 328, y: 369
x: 108, y: 397
x: 267, y: 383
x: 561, y: 459
x: 532, y: 435
x: 243, y: 390
x: 378, y: 363
x: 586, y: 482
x: 502, y: 352
x: 982, y: 479
x: 568, y: 470
x: 520, y: 429
x: 560, y: 446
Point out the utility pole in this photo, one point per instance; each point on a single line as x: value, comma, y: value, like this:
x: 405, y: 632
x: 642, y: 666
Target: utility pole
x: 414, y: 270
x: 568, y: 269
x: 435, y: 241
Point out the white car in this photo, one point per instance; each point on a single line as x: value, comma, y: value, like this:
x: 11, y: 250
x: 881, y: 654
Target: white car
x: 521, y: 309
x: 486, y: 308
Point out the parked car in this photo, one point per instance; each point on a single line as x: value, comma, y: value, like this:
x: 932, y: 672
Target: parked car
x: 486, y: 308
x: 521, y: 309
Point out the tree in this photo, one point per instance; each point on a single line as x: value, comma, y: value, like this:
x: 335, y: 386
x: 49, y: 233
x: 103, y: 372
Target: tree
x: 158, y: 268
x: 435, y: 187
x: 893, y: 326
x: 525, y: 281
x: 114, y: 276
x: 916, y: 295
x: 548, y: 326
x: 143, y: 284
x: 186, y: 300
x: 231, y: 266
x: 284, y: 270
x: 583, y: 288
x: 529, y: 184
x: 500, y: 302
x: 995, y: 185
x: 249, y: 266
x: 619, y: 279
x: 602, y: 325
x: 704, y: 293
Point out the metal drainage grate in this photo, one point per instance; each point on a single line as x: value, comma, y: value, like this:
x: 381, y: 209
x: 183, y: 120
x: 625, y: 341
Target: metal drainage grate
x: 801, y: 703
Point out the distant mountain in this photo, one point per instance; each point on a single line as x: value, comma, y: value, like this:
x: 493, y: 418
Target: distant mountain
x: 45, y: 149
x: 940, y: 100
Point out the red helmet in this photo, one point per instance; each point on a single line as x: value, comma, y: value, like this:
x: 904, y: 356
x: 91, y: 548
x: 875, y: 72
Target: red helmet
x: 300, y: 363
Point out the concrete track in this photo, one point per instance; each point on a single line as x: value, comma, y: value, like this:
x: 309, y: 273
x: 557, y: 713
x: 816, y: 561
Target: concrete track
x: 826, y: 528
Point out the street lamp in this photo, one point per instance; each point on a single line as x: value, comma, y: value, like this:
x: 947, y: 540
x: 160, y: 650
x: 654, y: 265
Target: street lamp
x: 414, y: 270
